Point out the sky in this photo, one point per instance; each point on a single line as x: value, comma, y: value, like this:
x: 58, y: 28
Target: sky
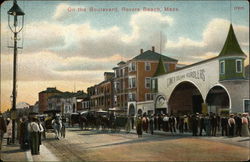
x: 70, y: 49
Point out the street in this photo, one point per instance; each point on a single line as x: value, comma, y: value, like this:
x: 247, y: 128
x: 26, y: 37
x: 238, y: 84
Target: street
x: 95, y: 145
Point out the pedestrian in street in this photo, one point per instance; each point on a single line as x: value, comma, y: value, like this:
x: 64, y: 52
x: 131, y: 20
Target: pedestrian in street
x: 194, y: 121
x: 181, y: 124
x: 139, y: 127
x: 207, y: 124
x: 9, y: 131
x: 160, y: 121
x: 34, y: 136
x: 185, y: 123
x: 132, y: 122
x: 2, y: 130
x: 166, y: 123
x: 151, y: 124
x: 24, y: 135
x: 214, y: 124
x: 245, y: 125
x: 231, y: 124
x: 172, y: 122
x: 224, y: 123
x: 202, y: 124
x: 128, y: 124
x: 238, y: 124
x: 155, y: 121
x: 145, y: 123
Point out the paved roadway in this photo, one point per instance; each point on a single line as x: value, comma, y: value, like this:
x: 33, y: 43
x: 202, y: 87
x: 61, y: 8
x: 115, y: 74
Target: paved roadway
x: 95, y: 145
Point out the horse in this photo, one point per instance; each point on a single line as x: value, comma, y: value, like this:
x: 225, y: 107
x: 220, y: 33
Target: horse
x: 58, y: 127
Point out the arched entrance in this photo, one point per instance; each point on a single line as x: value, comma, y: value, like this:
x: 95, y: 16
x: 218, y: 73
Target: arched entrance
x: 218, y: 100
x: 131, y: 110
x: 160, y: 105
x: 185, y: 98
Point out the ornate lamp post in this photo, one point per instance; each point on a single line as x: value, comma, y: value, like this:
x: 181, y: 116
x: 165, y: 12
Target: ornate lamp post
x: 16, y: 27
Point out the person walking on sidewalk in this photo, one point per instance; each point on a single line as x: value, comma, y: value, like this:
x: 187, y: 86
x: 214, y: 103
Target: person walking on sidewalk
x: 9, y: 131
x: 24, y: 135
x: 34, y: 136
x: 2, y: 130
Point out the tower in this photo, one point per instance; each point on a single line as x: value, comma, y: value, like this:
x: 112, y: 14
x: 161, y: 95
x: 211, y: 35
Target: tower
x: 231, y: 58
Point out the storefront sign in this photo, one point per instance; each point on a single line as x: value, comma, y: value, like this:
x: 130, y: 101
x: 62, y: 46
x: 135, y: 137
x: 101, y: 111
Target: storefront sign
x: 198, y: 74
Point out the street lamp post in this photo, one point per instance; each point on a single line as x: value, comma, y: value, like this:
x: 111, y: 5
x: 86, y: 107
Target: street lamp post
x: 18, y: 15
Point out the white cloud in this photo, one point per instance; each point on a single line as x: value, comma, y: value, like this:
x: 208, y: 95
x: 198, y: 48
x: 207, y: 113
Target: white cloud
x: 62, y: 12
x: 213, y: 39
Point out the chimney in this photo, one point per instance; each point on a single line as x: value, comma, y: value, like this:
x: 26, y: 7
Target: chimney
x: 153, y: 48
x: 141, y: 51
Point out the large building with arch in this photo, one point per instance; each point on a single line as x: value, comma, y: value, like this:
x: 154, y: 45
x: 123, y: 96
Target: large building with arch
x: 213, y: 85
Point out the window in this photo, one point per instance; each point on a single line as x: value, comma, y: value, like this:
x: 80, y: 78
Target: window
x: 149, y: 96
x: 132, y: 66
x: 246, y: 105
x: 147, y: 66
x: 153, y: 84
x: 238, y: 66
x: 132, y: 82
x: 131, y: 97
x: 222, y: 67
x: 147, y: 82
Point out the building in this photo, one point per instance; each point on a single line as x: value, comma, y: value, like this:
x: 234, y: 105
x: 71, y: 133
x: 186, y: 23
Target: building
x: 101, y: 95
x: 132, y: 81
x: 66, y: 102
x: 214, y: 85
x: 43, y: 98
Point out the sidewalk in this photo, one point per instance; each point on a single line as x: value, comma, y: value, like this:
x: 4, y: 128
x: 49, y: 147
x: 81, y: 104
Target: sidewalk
x: 14, y: 153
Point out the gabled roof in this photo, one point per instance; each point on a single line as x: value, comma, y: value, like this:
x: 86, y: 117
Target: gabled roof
x: 153, y: 56
x: 160, y: 68
x: 231, y: 46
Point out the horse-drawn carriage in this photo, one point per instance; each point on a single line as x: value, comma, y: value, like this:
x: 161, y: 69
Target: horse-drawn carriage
x: 54, y: 123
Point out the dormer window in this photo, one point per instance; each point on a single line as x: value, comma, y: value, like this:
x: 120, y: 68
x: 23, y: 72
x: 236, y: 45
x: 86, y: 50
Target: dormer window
x: 222, y: 67
x: 238, y: 66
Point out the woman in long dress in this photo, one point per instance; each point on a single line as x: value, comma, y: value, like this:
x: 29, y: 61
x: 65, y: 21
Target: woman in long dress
x: 139, y: 126
x: 244, y: 129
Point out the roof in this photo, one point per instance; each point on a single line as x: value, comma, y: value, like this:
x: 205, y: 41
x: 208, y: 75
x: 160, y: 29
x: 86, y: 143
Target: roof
x: 121, y: 63
x: 150, y: 55
x: 160, y: 68
x: 51, y: 90
x: 231, y: 46
x: 194, y: 64
x: 78, y: 94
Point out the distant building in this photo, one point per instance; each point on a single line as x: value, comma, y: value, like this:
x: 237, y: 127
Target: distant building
x: 67, y: 102
x: 43, y: 98
x: 101, y: 95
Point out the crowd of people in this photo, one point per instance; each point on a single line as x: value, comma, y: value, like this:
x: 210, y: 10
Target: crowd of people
x: 199, y: 124
x: 29, y: 130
